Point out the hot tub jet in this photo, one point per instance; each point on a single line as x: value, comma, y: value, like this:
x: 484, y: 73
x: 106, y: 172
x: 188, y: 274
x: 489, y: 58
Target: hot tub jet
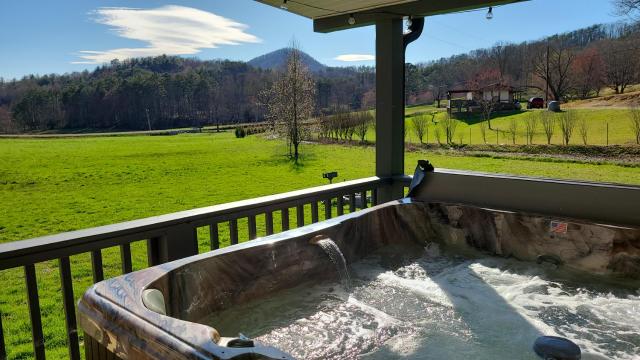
x: 336, y: 257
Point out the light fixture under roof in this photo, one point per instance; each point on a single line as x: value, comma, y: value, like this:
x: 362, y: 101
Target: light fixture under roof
x: 284, y: 5
x: 489, y: 15
x: 352, y: 20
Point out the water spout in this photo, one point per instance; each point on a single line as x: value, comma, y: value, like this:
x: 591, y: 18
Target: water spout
x: 336, y: 257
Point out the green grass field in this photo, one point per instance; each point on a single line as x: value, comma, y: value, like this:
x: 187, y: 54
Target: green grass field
x: 468, y: 130
x: 54, y: 185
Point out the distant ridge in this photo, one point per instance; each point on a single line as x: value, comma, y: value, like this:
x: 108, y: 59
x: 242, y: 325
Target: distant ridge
x: 278, y: 60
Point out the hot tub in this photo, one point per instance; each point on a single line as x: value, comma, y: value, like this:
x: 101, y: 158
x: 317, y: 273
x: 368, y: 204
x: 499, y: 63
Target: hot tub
x: 413, y: 278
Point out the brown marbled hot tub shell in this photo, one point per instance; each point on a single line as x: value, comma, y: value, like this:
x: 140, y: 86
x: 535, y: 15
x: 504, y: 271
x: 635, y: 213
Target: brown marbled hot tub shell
x: 113, y: 315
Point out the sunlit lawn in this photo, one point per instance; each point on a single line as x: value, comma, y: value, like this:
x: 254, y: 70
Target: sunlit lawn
x: 54, y: 185
x: 468, y: 129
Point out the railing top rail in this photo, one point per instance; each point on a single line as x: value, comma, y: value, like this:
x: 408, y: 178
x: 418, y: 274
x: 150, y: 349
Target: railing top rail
x: 479, y: 174
x: 82, y: 238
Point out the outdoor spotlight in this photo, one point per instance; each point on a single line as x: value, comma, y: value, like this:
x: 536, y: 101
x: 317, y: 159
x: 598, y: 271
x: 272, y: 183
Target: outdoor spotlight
x: 409, y: 21
x: 352, y: 20
x: 284, y: 5
x: 330, y: 176
x: 490, y: 13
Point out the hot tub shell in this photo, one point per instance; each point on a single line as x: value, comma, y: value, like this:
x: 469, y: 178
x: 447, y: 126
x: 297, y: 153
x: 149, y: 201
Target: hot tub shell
x: 117, y: 322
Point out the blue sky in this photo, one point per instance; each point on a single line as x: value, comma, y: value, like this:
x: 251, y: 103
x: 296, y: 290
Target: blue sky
x: 47, y: 36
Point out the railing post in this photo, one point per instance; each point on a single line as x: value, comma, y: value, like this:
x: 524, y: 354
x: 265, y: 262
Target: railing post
x: 327, y: 208
x: 153, y: 251
x: 178, y: 242
x: 34, y: 311
x: 314, y: 211
x: 233, y: 231
x: 214, y: 237
x: 252, y: 227
x: 69, y: 308
x: 300, y: 215
x: 268, y: 222
x: 3, y: 349
x: 125, y: 258
x: 96, y: 266
x: 389, y: 105
x: 284, y: 214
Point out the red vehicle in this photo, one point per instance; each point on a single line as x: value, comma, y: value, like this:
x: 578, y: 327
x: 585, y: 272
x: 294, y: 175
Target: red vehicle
x: 535, y: 103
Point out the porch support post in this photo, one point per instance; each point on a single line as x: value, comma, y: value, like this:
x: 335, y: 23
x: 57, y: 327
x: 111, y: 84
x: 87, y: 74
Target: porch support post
x: 389, y: 105
x: 177, y: 242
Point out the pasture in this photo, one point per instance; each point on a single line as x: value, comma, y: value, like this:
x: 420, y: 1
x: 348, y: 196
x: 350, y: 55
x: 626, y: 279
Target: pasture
x: 468, y: 129
x: 54, y: 185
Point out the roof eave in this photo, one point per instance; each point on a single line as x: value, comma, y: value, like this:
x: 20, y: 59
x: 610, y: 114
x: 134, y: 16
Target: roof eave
x: 417, y: 8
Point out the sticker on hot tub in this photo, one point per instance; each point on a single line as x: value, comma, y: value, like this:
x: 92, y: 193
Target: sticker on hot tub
x: 558, y: 227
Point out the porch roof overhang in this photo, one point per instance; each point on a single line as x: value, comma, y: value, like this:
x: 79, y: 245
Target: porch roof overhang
x: 333, y: 15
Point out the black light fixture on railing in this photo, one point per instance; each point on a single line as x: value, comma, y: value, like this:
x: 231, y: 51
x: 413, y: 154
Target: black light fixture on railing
x: 330, y: 176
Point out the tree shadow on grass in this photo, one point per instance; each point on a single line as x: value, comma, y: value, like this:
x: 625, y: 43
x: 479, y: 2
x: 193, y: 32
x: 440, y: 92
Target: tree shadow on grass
x: 281, y: 159
x: 476, y: 117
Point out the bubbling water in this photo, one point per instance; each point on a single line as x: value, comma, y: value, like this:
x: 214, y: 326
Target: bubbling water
x: 443, y: 307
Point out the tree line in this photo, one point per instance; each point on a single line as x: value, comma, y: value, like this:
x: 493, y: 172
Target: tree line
x: 159, y: 93
x: 576, y: 64
x: 168, y: 92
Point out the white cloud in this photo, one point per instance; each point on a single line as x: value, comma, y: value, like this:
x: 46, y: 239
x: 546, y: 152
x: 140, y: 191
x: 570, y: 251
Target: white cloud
x: 171, y: 30
x: 355, y: 57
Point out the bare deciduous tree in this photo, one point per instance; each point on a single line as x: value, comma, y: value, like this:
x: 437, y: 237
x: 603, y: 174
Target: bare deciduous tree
x: 513, y: 130
x: 583, y: 129
x: 420, y: 123
x: 292, y: 101
x: 530, y: 126
x: 588, y: 72
x: 449, y: 125
x: 567, y: 123
x: 483, y: 131
x: 635, y: 122
x: 552, y: 64
x: 548, y: 122
x: 620, y: 64
x: 487, y: 106
x: 626, y: 7
x: 364, y: 120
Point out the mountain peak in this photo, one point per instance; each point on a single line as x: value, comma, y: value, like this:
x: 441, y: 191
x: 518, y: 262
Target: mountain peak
x: 278, y: 60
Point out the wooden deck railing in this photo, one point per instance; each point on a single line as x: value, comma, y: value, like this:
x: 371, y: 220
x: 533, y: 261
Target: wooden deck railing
x: 168, y: 237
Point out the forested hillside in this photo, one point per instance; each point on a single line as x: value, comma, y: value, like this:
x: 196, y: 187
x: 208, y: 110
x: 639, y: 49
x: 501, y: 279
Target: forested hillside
x: 158, y: 93
x: 166, y: 92
x: 580, y: 63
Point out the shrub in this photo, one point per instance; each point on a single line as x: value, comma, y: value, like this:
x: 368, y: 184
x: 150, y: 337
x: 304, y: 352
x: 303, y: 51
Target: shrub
x: 240, y: 132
